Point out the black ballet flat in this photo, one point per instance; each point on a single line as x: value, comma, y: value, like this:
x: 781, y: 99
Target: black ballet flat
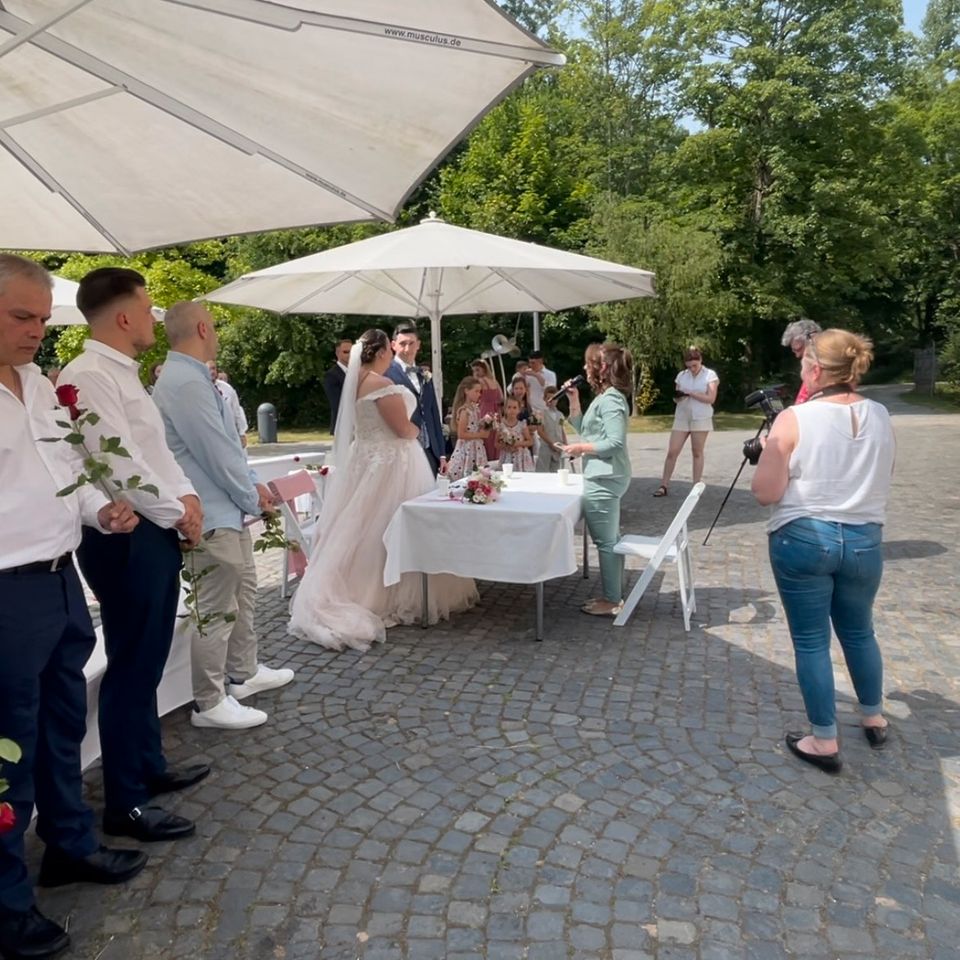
x: 828, y: 763
x: 876, y: 736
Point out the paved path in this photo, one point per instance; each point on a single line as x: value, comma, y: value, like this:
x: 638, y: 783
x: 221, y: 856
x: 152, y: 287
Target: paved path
x: 465, y: 792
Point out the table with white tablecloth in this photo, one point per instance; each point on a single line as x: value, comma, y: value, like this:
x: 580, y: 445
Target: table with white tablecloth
x: 528, y: 535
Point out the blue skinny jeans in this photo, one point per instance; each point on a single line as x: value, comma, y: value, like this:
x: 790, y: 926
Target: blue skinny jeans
x: 830, y: 572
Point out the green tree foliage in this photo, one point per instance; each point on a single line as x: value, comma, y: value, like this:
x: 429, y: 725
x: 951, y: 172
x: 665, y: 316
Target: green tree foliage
x: 767, y: 158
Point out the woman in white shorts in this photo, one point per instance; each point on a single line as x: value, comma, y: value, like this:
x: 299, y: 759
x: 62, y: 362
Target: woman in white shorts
x: 695, y: 395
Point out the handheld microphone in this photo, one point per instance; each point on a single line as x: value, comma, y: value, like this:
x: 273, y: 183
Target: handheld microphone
x: 570, y: 384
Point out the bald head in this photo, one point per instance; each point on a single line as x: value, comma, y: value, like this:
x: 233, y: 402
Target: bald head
x: 190, y: 330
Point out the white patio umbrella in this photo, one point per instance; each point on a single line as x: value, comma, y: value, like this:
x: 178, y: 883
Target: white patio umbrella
x: 131, y: 124
x: 65, y: 312
x: 433, y: 270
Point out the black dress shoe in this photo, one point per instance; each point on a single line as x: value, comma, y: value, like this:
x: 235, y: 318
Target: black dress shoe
x: 876, y: 736
x: 178, y: 778
x: 104, y: 866
x: 828, y: 763
x: 147, y: 824
x: 30, y: 936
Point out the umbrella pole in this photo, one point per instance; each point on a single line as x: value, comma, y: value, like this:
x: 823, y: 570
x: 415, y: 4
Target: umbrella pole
x: 536, y: 330
x: 435, y: 356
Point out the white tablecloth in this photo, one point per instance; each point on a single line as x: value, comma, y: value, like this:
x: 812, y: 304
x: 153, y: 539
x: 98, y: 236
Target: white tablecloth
x: 527, y: 536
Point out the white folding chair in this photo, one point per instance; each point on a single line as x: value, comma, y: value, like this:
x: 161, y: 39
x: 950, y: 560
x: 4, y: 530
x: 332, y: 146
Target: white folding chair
x: 672, y: 547
x: 295, y: 526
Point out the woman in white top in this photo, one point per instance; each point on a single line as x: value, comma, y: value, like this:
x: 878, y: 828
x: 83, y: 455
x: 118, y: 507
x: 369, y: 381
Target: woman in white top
x: 826, y: 469
x: 695, y: 395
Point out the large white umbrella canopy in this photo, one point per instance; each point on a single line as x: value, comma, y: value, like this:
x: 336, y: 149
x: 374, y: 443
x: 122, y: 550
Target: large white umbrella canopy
x: 433, y: 270
x: 132, y: 124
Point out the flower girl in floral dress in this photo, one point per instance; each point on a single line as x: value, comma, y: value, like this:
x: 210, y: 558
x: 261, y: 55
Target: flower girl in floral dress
x: 515, y: 439
x: 469, y: 453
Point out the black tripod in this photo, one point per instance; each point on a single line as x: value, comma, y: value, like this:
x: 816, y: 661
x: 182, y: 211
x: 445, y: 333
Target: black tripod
x: 750, y: 443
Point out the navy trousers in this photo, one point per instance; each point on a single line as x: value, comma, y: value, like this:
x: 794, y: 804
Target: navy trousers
x: 45, y: 639
x: 136, y: 578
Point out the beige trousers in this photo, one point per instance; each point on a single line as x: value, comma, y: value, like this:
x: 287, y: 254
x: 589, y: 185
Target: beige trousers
x: 227, y: 650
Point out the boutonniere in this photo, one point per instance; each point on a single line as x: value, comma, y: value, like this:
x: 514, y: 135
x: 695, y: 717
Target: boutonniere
x: 425, y: 375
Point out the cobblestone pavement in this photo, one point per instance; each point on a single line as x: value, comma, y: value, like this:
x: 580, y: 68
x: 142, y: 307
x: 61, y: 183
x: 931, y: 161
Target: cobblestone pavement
x: 465, y: 792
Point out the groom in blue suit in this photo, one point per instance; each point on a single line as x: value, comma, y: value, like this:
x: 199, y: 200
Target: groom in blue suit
x: 405, y: 371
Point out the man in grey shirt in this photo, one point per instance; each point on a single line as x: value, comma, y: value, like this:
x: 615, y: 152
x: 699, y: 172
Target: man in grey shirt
x: 203, y: 437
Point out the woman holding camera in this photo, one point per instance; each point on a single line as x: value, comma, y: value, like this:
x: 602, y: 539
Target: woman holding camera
x: 695, y: 394
x: 826, y: 469
x: 606, y: 463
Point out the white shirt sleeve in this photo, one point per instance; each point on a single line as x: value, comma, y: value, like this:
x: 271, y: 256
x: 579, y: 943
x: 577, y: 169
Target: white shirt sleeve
x: 102, y: 396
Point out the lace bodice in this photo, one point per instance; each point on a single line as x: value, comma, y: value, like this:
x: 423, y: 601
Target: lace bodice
x: 371, y: 427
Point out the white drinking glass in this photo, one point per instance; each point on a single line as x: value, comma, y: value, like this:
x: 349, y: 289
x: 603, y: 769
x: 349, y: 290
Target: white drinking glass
x: 443, y: 487
x: 564, y: 474
x: 507, y: 469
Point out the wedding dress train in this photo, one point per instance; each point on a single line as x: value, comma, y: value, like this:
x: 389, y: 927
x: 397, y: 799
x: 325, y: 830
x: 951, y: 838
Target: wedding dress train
x: 341, y: 601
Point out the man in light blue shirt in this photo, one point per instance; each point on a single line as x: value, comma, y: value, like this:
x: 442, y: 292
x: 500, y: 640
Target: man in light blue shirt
x: 203, y: 436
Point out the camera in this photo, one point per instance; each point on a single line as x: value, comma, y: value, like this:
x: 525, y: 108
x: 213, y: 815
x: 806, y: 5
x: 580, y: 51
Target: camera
x: 770, y: 402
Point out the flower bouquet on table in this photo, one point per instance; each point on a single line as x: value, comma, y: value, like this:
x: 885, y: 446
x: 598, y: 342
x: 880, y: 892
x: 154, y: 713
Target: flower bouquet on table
x: 483, y: 486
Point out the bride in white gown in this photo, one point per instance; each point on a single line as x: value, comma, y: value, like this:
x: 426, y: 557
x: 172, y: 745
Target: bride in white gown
x: 341, y: 601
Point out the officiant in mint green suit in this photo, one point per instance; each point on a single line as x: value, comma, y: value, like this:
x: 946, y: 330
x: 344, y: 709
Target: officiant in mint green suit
x: 606, y: 463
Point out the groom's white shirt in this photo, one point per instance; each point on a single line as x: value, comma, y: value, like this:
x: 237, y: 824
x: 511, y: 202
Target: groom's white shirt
x: 37, y: 524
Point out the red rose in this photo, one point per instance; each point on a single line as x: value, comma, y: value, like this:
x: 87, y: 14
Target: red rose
x: 75, y: 412
x: 7, y: 818
x: 67, y: 394
x: 324, y: 471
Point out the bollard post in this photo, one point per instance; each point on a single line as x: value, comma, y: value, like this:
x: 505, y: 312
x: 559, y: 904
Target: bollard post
x: 267, y: 423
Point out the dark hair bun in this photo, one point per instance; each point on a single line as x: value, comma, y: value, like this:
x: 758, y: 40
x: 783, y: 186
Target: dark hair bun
x: 372, y: 342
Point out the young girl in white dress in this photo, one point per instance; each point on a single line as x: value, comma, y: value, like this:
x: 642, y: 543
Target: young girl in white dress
x: 515, y: 440
x: 342, y: 601
x: 470, y: 453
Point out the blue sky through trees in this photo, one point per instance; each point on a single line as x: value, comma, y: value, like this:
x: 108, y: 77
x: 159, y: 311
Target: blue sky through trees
x: 913, y: 11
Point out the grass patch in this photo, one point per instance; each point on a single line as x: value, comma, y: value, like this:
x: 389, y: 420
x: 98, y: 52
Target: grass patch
x: 651, y: 423
x: 946, y: 397
x: 662, y: 422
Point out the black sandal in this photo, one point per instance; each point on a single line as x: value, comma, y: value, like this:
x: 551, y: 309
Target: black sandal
x: 661, y: 491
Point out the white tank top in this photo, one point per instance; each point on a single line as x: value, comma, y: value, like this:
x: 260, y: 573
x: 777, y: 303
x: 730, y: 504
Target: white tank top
x: 842, y: 465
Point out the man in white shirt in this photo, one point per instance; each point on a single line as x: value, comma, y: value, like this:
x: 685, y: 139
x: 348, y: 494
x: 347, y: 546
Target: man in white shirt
x: 46, y: 635
x: 538, y: 378
x: 231, y: 399
x: 137, y: 583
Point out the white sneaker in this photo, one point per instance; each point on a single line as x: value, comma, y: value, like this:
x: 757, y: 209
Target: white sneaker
x: 266, y: 678
x: 228, y: 715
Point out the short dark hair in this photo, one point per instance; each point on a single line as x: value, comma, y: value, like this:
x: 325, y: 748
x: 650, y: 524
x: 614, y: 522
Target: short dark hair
x: 535, y: 354
x: 102, y: 286
x: 405, y: 326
